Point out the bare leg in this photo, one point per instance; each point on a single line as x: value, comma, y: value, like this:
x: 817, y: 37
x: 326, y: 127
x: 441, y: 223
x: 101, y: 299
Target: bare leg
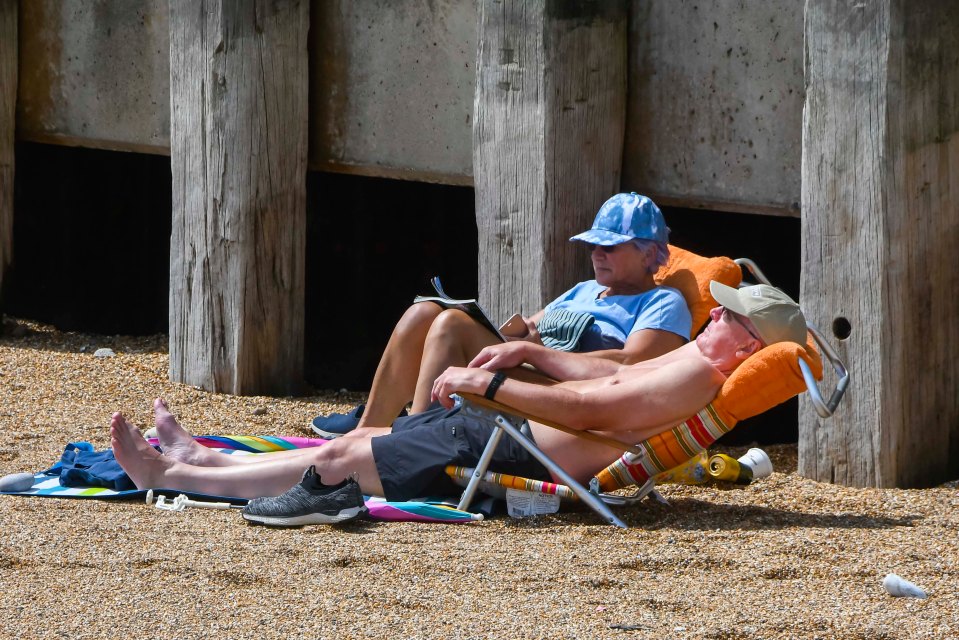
x: 453, y: 340
x: 178, y: 444
x: 270, y: 477
x: 369, y: 432
x: 395, y: 379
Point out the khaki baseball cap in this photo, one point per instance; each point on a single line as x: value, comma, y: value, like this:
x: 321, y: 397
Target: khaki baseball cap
x: 774, y: 315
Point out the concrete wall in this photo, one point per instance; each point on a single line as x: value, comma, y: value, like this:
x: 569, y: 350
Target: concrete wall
x: 95, y: 73
x: 391, y: 88
x: 715, y: 104
x: 714, y: 113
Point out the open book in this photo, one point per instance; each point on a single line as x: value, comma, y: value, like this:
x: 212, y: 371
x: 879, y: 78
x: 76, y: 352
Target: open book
x: 470, y: 307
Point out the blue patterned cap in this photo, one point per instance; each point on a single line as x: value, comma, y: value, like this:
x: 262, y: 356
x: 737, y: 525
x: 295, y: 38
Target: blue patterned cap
x: 626, y: 216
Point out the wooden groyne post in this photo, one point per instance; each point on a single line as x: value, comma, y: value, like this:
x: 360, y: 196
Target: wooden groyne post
x: 238, y: 145
x: 880, y: 237
x: 549, y: 119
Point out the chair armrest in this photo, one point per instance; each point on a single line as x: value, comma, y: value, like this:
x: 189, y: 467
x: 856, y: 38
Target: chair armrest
x: 585, y: 435
x: 823, y: 408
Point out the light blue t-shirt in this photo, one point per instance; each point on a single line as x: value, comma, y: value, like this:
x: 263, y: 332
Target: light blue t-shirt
x: 618, y: 317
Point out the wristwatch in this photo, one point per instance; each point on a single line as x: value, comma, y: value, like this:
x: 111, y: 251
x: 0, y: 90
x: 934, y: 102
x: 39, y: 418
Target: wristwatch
x: 494, y: 384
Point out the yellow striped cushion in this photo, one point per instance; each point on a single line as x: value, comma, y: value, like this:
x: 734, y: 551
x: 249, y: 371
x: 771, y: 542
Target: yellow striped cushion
x: 665, y: 451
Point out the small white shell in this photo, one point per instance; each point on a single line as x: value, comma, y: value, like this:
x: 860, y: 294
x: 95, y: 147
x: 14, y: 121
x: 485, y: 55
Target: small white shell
x: 901, y: 588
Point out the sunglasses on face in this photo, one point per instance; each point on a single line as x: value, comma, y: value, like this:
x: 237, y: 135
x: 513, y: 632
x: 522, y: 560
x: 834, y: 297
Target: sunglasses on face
x: 604, y: 248
x: 729, y: 316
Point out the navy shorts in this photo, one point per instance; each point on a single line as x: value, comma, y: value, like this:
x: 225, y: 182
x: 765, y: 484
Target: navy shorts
x: 412, y: 459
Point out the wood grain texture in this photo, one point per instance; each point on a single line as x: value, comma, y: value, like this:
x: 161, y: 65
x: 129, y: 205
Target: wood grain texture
x: 8, y: 108
x: 880, y: 236
x: 238, y: 100
x: 549, y: 119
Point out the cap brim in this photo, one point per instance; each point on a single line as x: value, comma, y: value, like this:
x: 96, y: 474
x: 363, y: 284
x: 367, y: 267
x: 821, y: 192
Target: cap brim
x: 601, y: 237
x: 727, y: 297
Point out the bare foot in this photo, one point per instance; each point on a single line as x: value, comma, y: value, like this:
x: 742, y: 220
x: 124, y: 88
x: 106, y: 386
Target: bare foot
x: 144, y: 465
x: 179, y: 445
x: 176, y: 441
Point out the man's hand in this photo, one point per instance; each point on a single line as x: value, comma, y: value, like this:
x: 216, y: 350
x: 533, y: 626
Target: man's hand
x: 500, y: 356
x: 458, y: 379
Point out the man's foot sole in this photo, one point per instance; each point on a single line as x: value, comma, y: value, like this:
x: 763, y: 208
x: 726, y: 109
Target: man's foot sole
x: 309, y: 518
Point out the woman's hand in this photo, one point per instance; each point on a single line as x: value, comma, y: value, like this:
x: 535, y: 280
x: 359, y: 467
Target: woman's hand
x: 456, y: 380
x: 532, y: 334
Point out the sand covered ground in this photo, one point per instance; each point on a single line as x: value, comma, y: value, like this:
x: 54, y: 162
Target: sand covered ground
x: 782, y: 558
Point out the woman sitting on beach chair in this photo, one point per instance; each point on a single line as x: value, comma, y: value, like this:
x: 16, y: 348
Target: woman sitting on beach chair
x: 630, y: 318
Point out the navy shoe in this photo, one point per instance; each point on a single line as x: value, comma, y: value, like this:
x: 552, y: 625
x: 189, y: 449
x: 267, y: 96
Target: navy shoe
x: 339, y: 424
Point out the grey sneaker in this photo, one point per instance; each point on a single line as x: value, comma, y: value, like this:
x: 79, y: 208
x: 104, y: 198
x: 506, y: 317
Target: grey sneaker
x: 309, y: 502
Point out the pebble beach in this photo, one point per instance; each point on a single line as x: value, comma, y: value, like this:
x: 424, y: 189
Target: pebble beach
x: 784, y: 557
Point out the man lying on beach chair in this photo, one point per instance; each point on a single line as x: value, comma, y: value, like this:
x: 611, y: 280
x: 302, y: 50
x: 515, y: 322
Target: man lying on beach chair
x: 767, y: 378
x: 627, y: 403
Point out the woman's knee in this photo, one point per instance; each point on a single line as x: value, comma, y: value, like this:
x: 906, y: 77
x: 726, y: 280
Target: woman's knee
x: 453, y: 323
x: 455, y: 329
x: 418, y: 319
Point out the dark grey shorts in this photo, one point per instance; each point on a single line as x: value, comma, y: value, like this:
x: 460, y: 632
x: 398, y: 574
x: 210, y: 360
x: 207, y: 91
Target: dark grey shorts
x: 412, y: 459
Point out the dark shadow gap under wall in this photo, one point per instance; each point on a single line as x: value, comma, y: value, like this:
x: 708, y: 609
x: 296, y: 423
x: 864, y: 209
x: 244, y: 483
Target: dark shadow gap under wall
x: 91, y: 240
x: 92, y: 252
x: 372, y: 246
x: 92, y: 247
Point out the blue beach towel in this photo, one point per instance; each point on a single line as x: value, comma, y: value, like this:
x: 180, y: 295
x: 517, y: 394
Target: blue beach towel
x: 82, y: 466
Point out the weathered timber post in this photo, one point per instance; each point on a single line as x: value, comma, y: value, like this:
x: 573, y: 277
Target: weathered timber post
x: 238, y: 143
x: 880, y: 237
x: 8, y: 116
x: 549, y: 120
